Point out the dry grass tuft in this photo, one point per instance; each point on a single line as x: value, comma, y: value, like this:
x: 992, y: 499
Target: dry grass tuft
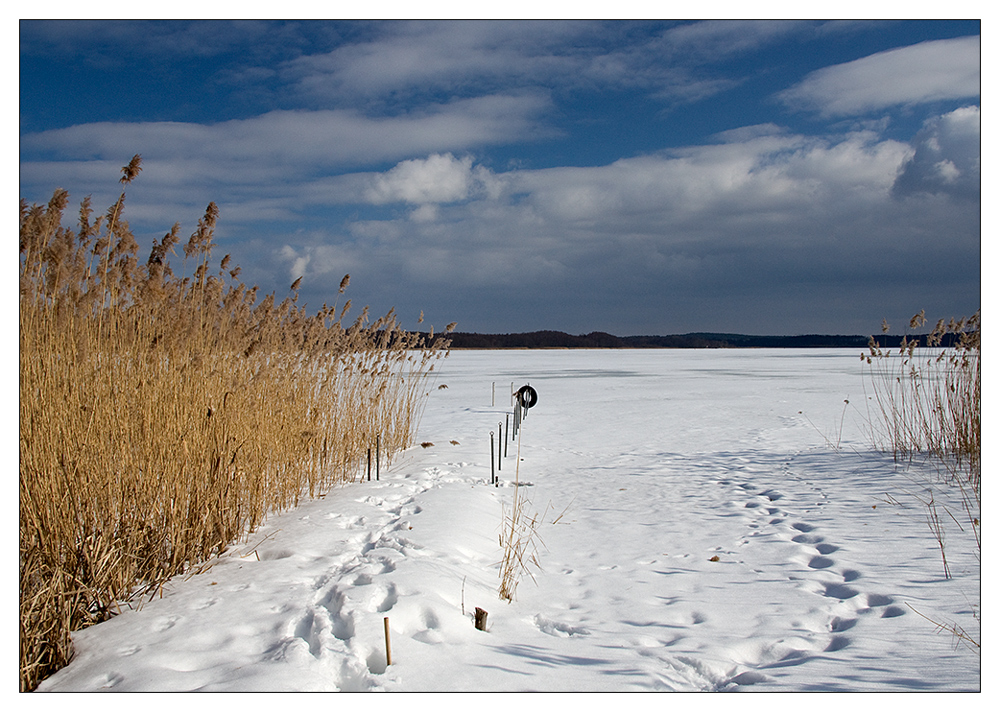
x: 518, y: 534
x: 164, y: 415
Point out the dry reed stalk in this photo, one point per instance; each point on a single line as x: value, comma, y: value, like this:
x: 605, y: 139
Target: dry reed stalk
x: 928, y: 401
x: 517, y: 538
x: 163, y: 416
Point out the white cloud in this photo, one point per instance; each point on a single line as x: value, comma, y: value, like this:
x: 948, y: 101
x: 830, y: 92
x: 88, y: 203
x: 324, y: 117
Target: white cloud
x: 925, y: 72
x: 411, y: 57
x: 946, y: 157
x: 407, y: 59
x: 435, y: 179
x: 304, y: 140
x: 712, y: 39
x: 768, y: 176
x: 769, y: 212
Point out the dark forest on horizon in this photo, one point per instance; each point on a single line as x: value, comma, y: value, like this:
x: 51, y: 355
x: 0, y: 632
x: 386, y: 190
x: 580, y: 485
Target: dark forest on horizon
x: 603, y: 340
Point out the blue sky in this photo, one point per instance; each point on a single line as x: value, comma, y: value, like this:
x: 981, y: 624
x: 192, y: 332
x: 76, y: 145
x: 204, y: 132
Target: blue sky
x: 779, y: 177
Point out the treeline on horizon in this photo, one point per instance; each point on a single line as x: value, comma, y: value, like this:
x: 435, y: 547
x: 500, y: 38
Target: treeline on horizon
x: 603, y: 340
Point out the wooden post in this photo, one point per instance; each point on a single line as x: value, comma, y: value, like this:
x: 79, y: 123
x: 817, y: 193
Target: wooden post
x: 369, y: 464
x: 388, y: 650
x: 480, y: 618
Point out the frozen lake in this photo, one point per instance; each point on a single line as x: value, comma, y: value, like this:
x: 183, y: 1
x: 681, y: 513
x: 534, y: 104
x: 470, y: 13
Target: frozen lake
x: 710, y: 520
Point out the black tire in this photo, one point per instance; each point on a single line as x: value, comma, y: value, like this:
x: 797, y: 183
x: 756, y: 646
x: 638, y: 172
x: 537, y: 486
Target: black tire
x: 527, y: 396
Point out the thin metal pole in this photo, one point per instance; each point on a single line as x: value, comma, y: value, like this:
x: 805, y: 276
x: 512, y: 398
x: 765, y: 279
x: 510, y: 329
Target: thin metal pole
x: 493, y: 474
x: 378, y: 451
x: 507, y: 430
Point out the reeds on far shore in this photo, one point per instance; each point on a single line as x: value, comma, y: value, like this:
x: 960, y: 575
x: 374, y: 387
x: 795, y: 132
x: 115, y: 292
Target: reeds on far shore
x: 163, y: 415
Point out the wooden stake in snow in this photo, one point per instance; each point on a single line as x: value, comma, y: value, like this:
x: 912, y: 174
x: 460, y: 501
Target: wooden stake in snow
x: 388, y: 650
x: 480, y: 618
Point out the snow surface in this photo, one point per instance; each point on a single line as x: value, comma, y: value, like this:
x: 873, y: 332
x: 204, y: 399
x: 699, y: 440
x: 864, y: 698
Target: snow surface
x: 711, y: 520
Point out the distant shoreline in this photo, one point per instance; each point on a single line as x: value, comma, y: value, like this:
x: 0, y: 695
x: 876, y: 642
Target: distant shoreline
x: 552, y: 340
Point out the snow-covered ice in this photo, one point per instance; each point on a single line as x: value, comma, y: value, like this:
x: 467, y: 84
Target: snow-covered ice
x: 711, y: 520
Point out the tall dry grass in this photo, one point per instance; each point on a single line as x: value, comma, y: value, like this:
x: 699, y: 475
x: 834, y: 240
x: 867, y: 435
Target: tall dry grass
x: 927, y: 399
x: 927, y: 396
x: 164, y: 415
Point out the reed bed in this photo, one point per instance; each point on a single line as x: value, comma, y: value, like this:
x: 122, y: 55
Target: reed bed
x: 927, y: 397
x: 164, y: 415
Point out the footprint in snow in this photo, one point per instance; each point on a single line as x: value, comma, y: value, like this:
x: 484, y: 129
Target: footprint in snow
x: 108, y: 680
x: 839, y: 625
x: 385, y: 598
x: 558, y: 629
x: 839, y: 590
x: 838, y: 642
x: 820, y: 562
x: 342, y: 624
x: 878, y: 600
x: 166, y: 623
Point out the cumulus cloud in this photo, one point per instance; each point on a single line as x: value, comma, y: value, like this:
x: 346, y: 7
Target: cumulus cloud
x: 924, y: 72
x: 435, y: 179
x: 946, y: 157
